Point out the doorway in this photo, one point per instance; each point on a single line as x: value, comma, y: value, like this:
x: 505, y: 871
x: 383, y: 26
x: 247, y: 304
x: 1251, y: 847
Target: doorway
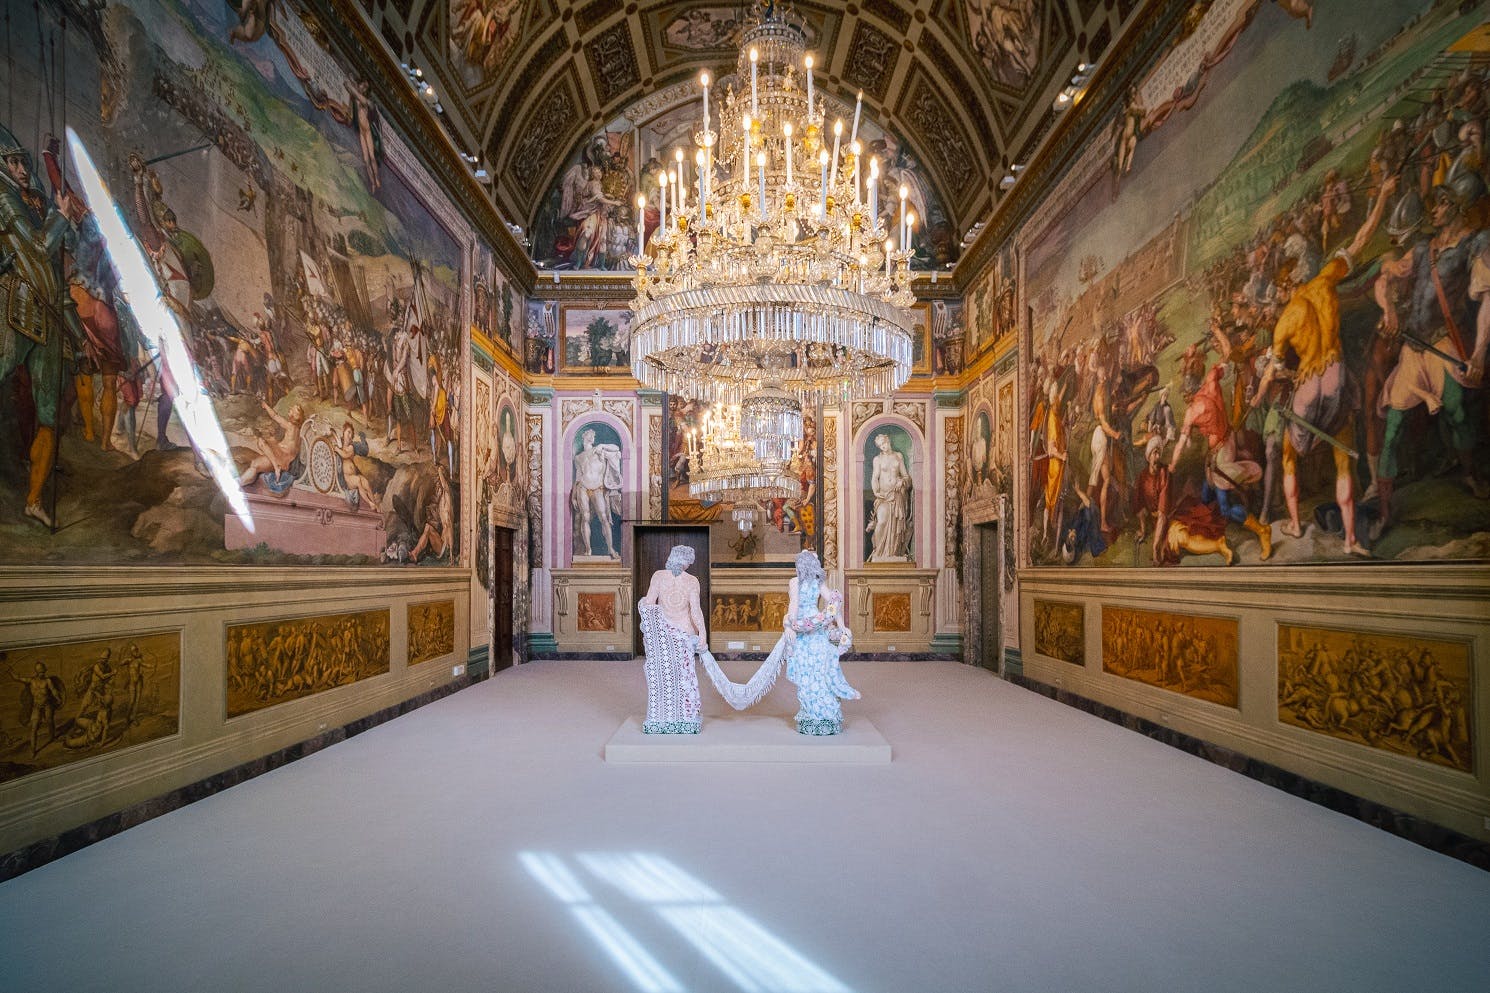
x: 652, y: 543
x: 990, y: 557
x: 501, y: 591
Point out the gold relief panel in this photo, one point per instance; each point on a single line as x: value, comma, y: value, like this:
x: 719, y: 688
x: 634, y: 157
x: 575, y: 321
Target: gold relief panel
x: 431, y: 630
x: 735, y: 612
x: 272, y: 662
x: 1060, y: 630
x: 892, y: 611
x: 773, y: 611
x: 597, y: 611
x: 1183, y: 653
x: 66, y: 701
x: 1398, y: 693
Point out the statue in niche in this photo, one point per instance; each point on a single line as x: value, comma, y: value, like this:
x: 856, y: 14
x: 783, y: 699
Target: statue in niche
x: 890, y: 523
x: 672, y: 623
x: 596, y: 496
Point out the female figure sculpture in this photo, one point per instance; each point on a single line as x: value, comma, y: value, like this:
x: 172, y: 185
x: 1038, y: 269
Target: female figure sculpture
x: 815, y: 637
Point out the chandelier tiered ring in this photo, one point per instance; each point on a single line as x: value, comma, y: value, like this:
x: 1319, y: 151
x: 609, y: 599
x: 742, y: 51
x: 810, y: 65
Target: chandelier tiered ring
x: 771, y: 273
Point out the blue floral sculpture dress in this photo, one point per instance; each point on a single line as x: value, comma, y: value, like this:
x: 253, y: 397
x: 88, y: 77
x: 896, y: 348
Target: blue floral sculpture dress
x: 813, y: 667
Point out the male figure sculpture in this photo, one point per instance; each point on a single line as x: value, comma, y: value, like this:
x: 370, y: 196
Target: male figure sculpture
x: 597, y: 471
x: 672, y: 623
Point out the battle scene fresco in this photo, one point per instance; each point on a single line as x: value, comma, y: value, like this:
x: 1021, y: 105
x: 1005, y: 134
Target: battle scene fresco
x: 431, y: 630
x: 67, y: 701
x: 1403, y: 694
x: 1260, y: 319
x: 1182, y: 653
x: 317, y: 295
x: 272, y: 662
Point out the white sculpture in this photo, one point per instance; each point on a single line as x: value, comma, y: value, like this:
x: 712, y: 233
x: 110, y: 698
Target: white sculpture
x: 672, y: 623
x: 597, y: 476
x: 891, y: 523
x: 813, y: 639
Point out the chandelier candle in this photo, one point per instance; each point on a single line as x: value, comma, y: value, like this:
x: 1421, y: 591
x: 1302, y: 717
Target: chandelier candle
x: 765, y: 293
x: 858, y: 106
x: 837, y: 134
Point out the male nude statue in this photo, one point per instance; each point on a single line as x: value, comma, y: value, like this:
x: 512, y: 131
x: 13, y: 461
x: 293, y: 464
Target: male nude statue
x: 676, y: 592
x: 594, y: 467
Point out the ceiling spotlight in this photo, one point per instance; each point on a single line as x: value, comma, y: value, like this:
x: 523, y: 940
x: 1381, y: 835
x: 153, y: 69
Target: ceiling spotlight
x: 482, y: 176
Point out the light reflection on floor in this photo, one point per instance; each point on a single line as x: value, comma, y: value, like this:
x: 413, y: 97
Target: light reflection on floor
x: 753, y: 958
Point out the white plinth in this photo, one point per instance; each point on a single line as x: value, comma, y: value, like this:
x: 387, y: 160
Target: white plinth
x: 750, y: 738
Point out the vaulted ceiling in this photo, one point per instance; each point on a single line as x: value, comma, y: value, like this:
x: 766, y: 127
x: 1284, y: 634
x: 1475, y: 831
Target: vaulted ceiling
x: 968, y: 84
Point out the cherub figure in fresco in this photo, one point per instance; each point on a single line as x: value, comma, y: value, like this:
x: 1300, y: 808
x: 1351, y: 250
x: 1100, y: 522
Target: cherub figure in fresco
x: 253, y: 21
x: 275, y: 457
x: 1301, y: 9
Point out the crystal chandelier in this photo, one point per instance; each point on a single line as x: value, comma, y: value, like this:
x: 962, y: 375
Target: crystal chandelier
x: 722, y: 466
x: 772, y: 278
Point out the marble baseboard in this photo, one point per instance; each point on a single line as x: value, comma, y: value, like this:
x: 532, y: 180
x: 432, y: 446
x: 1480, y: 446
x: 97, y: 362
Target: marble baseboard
x: 41, y: 852
x: 579, y: 657
x: 1445, y: 841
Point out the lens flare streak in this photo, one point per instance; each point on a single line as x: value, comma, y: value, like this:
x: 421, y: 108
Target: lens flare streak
x: 162, y: 329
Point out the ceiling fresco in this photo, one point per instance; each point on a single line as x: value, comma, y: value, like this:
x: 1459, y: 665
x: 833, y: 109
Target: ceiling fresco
x: 965, y: 86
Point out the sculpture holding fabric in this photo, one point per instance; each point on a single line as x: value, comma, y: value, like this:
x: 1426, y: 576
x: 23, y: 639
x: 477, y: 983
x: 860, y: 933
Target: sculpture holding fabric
x: 813, y: 639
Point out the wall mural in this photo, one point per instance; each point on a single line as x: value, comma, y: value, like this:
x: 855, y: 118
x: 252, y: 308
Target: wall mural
x: 947, y: 336
x: 431, y: 630
x: 889, y: 500
x: 484, y: 447
x: 595, y: 505
x: 72, y: 700
x: 595, y: 340
x: 1270, y: 345
x: 542, y: 334
x: 496, y: 310
x: 320, y: 298
x: 587, y: 220
x: 1404, y: 694
x: 1182, y: 653
x: 991, y: 308
x: 1060, y: 630
x: 271, y: 662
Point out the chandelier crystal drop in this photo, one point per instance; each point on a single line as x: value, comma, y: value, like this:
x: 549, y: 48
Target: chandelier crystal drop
x: 771, y: 420
x: 771, y: 267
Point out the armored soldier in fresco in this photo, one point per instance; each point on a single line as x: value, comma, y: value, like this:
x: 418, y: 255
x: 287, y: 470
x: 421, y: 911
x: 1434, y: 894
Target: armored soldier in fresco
x: 38, y: 314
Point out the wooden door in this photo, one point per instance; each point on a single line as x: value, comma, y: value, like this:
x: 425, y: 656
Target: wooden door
x: 652, y: 543
x: 991, y: 647
x: 501, y: 633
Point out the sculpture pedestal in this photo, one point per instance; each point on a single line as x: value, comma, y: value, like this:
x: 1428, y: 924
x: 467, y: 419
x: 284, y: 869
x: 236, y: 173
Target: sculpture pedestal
x: 750, y: 738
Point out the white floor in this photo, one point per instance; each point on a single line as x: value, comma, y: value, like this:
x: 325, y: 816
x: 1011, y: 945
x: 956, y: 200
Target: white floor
x: 482, y: 844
